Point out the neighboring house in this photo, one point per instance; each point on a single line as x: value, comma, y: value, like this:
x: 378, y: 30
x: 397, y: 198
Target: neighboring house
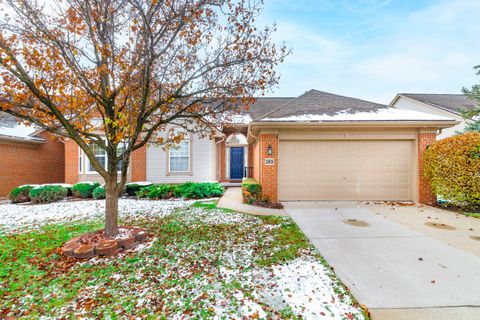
x: 28, y: 155
x: 445, y: 105
x: 318, y: 146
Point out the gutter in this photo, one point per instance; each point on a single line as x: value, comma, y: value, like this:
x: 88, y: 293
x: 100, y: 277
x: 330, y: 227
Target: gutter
x: 13, y: 139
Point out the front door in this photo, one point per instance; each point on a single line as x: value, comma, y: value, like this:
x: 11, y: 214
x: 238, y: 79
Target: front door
x: 236, y: 162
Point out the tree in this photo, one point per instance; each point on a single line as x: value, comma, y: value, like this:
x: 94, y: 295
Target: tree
x: 117, y: 72
x: 473, y: 115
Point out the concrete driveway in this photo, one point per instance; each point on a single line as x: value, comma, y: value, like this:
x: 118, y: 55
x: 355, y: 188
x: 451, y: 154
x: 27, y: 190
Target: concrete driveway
x: 392, y: 262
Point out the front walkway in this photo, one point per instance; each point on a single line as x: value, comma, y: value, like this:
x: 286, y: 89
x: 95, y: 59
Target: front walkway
x: 232, y: 199
x: 396, y: 270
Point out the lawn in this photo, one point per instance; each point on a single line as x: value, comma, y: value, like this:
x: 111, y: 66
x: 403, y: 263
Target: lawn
x: 205, y: 263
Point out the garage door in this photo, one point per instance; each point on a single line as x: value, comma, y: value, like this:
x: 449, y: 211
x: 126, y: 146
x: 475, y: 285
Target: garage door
x: 345, y: 170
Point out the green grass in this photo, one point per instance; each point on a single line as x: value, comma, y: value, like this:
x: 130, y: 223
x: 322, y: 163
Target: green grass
x: 178, y: 275
x: 471, y: 214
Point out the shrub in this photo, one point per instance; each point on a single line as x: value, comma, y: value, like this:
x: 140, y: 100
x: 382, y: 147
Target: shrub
x: 156, y: 191
x: 251, y: 191
x: 198, y: 190
x: 252, y: 194
x: 20, y: 194
x: 84, y: 189
x: 99, y: 193
x: 47, y: 193
x: 134, y: 187
x: 189, y: 190
x: 452, y: 166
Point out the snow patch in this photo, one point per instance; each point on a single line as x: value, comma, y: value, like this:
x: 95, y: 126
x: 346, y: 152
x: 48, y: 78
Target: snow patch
x: 386, y: 114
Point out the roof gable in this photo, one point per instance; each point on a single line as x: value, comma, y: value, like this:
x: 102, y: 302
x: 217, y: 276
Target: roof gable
x: 453, y: 103
x: 11, y: 128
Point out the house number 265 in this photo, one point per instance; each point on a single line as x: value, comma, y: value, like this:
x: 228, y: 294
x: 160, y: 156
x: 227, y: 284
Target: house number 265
x: 269, y: 161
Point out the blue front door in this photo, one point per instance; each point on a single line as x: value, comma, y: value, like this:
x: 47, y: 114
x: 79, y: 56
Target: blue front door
x: 236, y: 163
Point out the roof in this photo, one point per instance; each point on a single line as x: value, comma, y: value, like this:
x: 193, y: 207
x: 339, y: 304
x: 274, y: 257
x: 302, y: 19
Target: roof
x: 449, y: 102
x: 321, y: 106
x: 10, y: 128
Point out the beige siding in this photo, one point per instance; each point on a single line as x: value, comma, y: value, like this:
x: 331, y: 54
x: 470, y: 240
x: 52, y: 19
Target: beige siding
x: 346, y: 170
x: 203, y: 163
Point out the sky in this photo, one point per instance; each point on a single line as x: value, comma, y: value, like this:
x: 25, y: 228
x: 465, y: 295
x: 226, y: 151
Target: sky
x: 374, y: 49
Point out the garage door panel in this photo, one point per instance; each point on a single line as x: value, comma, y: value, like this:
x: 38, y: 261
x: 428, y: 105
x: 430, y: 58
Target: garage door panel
x: 345, y: 170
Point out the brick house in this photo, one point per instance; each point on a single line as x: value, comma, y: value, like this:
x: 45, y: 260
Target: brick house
x: 318, y: 146
x: 28, y: 156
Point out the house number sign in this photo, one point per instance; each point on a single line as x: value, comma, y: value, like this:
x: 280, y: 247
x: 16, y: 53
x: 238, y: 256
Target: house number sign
x: 269, y: 161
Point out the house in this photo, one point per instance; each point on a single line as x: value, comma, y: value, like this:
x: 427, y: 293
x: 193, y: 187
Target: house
x: 318, y: 146
x: 445, y: 105
x: 28, y: 155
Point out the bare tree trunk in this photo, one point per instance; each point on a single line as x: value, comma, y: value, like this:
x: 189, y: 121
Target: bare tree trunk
x: 111, y: 208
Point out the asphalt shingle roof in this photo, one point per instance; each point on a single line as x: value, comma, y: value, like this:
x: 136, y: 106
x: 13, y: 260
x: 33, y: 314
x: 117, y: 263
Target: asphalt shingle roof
x: 264, y: 105
x: 449, y: 102
x: 319, y: 102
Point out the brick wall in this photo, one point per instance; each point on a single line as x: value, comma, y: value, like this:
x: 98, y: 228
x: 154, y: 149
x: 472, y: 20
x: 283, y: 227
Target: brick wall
x: 31, y: 164
x: 425, y: 194
x: 71, y: 162
x: 138, y: 164
x: 256, y: 161
x: 269, y: 173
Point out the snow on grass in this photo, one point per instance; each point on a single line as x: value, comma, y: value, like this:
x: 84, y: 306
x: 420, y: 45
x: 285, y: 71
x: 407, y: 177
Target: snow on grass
x: 202, y: 263
x: 16, y: 216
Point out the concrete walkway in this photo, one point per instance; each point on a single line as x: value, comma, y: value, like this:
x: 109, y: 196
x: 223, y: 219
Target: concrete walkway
x: 232, y: 199
x: 396, y: 271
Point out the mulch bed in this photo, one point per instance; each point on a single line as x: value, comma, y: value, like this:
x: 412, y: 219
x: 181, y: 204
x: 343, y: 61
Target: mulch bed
x: 98, y: 244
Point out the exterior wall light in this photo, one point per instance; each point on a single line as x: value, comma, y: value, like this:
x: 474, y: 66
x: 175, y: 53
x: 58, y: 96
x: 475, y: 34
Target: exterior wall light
x: 269, y: 150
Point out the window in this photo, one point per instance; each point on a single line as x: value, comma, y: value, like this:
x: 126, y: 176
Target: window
x: 100, y: 155
x: 179, y: 154
x: 80, y: 160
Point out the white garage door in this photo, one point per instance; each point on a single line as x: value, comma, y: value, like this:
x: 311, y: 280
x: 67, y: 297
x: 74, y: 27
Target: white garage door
x: 345, y: 170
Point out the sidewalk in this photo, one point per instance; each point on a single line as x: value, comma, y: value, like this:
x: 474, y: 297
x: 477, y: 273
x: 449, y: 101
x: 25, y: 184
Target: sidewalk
x: 232, y: 199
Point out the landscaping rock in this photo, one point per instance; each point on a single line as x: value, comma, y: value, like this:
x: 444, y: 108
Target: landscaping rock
x: 123, y: 242
x: 69, y: 248
x: 106, y: 247
x: 131, y: 246
x: 141, y: 235
x: 84, y: 251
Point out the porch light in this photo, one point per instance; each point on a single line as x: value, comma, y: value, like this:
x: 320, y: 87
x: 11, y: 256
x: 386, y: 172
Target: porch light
x: 269, y: 150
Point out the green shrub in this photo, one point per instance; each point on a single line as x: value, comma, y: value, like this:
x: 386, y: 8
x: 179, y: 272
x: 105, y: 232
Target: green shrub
x: 20, y: 194
x: 47, y: 193
x: 156, y: 191
x: 452, y: 166
x: 198, y: 190
x: 84, y: 189
x: 133, y: 187
x: 189, y: 190
x: 251, y: 191
x: 99, y: 193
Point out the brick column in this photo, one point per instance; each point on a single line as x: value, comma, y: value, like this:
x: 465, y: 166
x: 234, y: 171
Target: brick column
x: 71, y: 162
x: 425, y: 194
x: 139, y: 164
x: 269, y: 173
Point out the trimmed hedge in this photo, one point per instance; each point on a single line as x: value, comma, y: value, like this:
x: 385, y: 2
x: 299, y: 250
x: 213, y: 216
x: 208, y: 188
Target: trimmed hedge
x: 99, y: 193
x: 452, y: 166
x: 47, y: 194
x: 84, y: 189
x: 132, y: 188
x: 189, y: 190
x: 20, y: 194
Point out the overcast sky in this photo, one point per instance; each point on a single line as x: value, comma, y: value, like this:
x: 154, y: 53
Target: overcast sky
x: 372, y: 49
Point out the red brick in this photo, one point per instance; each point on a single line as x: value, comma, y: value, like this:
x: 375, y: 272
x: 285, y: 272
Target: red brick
x: 22, y: 163
x: 425, y: 194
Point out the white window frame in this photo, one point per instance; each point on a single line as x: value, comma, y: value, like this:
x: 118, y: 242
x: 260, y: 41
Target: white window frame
x: 187, y: 138
x: 87, y: 163
x: 80, y: 160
